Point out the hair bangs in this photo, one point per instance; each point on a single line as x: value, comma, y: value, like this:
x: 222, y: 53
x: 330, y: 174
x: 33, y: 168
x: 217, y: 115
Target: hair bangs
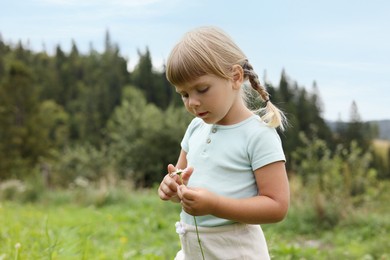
x: 195, y: 56
x: 184, y: 67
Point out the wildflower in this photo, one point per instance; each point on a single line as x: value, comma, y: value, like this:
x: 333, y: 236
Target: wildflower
x: 17, y: 248
x: 180, y: 229
x: 123, y: 240
x: 177, y: 172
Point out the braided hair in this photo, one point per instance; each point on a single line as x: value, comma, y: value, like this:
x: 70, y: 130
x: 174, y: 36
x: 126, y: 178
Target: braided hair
x: 254, y: 80
x: 270, y: 114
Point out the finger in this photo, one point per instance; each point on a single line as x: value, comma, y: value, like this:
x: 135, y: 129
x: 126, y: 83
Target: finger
x: 183, y: 191
x: 166, y: 189
x: 171, y: 182
x: 171, y: 168
x: 187, y: 174
x: 188, y: 203
x: 162, y: 194
x: 188, y: 193
x: 189, y: 209
x: 179, y: 193
x: 171, y: 173
x: 186, y: 208
x: 169, y: 186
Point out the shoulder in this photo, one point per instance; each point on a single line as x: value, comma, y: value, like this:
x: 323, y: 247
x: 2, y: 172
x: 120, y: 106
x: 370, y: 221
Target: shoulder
x: 258, y: 127
x: 196, y: 122
x: 194, y: 130
x: 264, y: 145
x: 260, y: 133
x: 195, y: 125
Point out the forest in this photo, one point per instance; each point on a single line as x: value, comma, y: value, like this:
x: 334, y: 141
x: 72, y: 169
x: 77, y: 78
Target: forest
x: 74, y: 116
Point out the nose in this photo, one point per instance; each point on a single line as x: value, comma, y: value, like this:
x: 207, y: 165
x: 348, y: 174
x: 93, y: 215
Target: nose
x: 193, y: 101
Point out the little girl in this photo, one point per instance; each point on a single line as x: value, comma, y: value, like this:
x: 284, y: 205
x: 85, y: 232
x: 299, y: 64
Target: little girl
x: 234, y: 174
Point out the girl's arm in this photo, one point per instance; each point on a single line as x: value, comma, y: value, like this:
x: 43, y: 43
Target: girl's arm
x: 269, y: 206
x: 182, y: 161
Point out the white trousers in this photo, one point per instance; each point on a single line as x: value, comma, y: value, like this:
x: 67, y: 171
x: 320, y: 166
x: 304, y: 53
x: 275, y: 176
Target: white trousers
x: 230, y: 242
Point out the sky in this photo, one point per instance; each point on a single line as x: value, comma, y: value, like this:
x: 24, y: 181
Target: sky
x: 343, y: 46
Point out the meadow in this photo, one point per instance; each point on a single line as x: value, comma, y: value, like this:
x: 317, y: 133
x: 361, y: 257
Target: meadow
x: 121, y: 223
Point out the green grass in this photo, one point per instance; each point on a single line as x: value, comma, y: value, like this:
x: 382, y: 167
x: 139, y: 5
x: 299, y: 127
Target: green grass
x: 140, y: 228
x: 137, y: 225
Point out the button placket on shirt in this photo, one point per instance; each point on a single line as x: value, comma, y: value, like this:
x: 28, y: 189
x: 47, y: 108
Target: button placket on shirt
x: 213, y: 131
x: 208, y: 140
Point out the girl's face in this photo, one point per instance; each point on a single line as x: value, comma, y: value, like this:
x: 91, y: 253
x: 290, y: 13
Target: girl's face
x: 213, y: 99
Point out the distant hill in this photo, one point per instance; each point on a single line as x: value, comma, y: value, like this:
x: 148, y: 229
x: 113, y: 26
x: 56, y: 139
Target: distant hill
x: 383, y: 127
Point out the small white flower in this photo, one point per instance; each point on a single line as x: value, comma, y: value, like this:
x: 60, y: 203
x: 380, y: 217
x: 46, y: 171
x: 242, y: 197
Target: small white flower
x: 180, y: 228
x: 17, y: 245
x: 177, y: 172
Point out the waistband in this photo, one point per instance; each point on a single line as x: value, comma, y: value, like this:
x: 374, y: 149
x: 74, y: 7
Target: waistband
x: 182, y: 228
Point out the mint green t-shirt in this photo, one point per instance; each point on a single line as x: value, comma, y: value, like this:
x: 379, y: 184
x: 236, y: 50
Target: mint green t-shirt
x: 225, y: 157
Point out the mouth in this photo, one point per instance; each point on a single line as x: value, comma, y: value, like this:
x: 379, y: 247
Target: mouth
x: 203, y: 114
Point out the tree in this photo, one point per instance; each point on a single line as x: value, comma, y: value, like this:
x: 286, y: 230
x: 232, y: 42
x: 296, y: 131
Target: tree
x: 285, y: 94
x: 143, y: 139
x: 142, y: 76
x: 20, y: 142
x: 355, y: 128
x: 316, y: 99
x: 53, y: 119
x: 4, y: 49
x: 153, y: 84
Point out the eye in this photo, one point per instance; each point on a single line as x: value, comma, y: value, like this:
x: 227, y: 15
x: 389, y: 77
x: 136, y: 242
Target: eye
x: 203, y: 90
x: 184, y: 95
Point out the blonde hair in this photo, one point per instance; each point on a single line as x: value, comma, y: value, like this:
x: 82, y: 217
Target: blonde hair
x: 209, y: 50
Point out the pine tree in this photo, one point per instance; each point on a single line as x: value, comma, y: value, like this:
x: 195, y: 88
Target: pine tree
x: 355, y: 128
x: 153, y: 84
x: 20, y: 145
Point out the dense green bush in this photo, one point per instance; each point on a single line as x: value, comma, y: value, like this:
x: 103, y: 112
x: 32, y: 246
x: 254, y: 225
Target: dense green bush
x: 333, y: 183
x: 85, y: 161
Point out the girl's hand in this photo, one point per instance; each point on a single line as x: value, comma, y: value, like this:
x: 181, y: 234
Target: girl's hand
x: 197, y: 201
x: 169, y: 185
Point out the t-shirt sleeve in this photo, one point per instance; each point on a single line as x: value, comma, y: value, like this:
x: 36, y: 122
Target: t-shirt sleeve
x: 265, y: 147
x: 190, y: 129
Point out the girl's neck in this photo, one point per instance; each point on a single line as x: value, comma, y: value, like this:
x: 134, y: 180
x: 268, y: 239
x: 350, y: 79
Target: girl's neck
x: 236, y: 114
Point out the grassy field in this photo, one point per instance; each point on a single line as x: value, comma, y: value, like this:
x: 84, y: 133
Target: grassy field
x: 137, y: 225
x: 139, y: 228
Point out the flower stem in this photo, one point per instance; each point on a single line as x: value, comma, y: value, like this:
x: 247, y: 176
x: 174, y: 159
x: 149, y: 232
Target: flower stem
x: 199, y: 242
x: 179, y: 172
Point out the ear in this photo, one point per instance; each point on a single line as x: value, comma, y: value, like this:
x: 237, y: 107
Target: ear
x: 237, y: 76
